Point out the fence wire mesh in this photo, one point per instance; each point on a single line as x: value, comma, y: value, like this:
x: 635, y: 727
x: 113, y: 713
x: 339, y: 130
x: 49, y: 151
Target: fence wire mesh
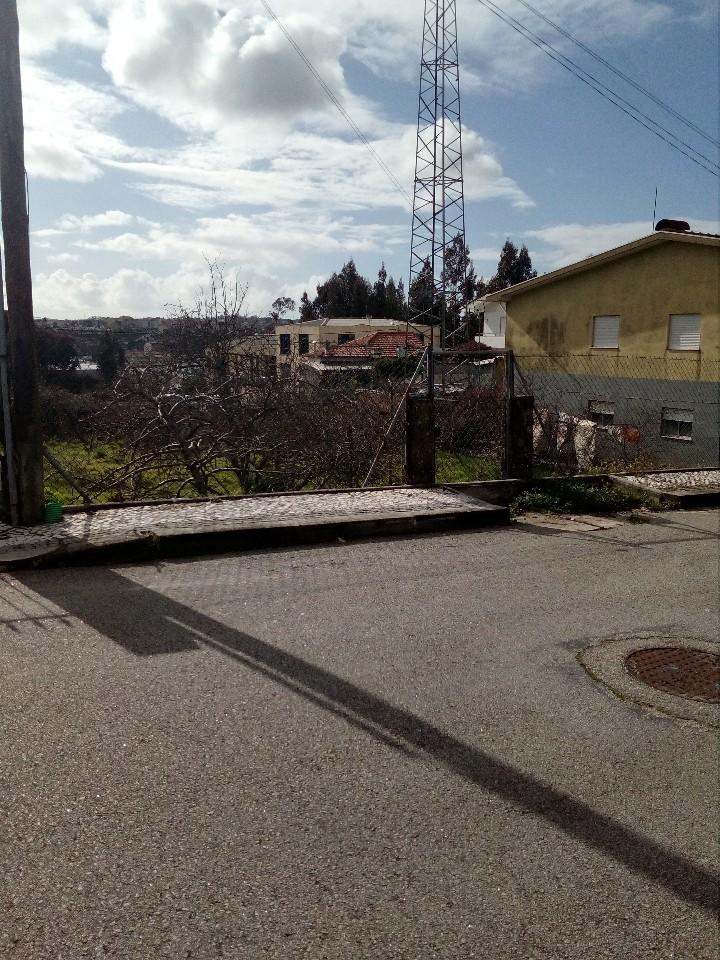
x: 596, y: 411
x: 470, y: 416
x: 169, y: 431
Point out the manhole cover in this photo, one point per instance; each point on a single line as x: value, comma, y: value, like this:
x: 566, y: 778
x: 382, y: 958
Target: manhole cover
x: 685, y: 672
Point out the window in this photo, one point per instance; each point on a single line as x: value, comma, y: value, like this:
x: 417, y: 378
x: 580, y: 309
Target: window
x: 304, y: 342
x: 677, y: 424
x: 285, y: 343
x: 684, y: 331
x: 602, y: 412
x: 606, y: 333
x: 345, y: 338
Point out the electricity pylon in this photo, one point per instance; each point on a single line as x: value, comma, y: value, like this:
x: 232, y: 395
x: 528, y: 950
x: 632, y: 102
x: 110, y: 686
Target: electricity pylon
x: 438, y: 223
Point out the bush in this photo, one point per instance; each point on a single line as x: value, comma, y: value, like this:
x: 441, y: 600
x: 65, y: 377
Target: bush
x: 67, y: 415
x: 571, y: 497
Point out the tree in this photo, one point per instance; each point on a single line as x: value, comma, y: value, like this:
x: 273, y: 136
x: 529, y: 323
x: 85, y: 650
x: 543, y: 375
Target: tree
x: 56, y: 353
x: 281, y: 306
x: 460, y: 281
x: 459, y: 273
x: 395, y: 299
x: 307, y: 309
x: 344, y: 294
x: 110, y: 356
x: 514, y: 266
x: 209, y: 331
x: 422, y: 300
x: 380, y: 294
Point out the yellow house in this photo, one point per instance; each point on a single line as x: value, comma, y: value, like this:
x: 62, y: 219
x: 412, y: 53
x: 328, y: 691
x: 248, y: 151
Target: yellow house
x: 644, y: 285
x: 628, y: 337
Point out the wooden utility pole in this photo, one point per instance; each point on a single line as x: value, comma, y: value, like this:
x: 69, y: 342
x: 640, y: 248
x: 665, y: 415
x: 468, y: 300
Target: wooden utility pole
x: 26, y: 461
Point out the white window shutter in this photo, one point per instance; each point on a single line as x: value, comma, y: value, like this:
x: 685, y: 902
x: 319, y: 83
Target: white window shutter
x: 606, y: 333
x: 684, y: 331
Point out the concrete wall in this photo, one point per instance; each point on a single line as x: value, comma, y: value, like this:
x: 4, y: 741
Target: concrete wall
x: 644, y: 287
x: 639, y: 403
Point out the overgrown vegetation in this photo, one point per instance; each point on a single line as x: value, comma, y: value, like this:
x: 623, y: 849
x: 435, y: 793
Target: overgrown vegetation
x: 569, y: 497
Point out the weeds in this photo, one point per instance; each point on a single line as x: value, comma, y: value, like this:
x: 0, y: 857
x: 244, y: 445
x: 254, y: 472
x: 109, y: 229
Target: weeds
x: 569, y: 497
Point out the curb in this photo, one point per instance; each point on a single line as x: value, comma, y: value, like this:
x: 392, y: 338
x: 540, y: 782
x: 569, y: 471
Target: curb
x: 150, y: 545
x: 677, y: 499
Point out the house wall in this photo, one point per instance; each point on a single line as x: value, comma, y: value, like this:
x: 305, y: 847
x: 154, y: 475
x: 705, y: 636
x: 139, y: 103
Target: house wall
x: 644, y: 288
x: 550, y: 329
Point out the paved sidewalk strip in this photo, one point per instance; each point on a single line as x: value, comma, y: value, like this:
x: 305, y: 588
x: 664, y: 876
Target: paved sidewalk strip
x: 93, y: 531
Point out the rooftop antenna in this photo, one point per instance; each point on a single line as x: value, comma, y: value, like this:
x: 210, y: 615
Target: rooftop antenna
x: 655, y: 210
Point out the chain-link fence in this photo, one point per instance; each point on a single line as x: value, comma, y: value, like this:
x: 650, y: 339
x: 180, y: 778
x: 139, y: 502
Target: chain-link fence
x: 470, y: 390
x: 598, y: 411
x: 169, y: 431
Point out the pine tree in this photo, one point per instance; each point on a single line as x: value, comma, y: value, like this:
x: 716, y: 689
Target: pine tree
x: 380, y: 295
x: 344, y: 294
x: 514, y: 266
x: 422, y: 295
x: 307, y: 309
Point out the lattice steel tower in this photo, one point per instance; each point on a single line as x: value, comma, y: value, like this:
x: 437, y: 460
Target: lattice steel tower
x: 439, y: 203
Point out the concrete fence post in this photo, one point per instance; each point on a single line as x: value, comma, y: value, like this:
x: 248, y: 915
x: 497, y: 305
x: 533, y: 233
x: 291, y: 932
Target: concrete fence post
x: 420, y: 441
x: 519, y: 440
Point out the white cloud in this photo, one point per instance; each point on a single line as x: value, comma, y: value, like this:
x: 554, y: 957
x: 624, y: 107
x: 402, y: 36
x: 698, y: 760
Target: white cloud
x: 308, y: 169
x: 261, y: 243
x: 203, y: 68
x: 64, y: 258
x: 67, y: 127
x: 138, y: 292
x: 567, y: 243
x: 72, y: 223
x: 46, y: 24
x: 62, y: 294
x: 262, y: 249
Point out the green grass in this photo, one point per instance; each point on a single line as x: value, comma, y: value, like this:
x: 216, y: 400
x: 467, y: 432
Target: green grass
x: 464, y: 468
x: 90, y: 463
x: 569, y: 497
x: 87, y: 464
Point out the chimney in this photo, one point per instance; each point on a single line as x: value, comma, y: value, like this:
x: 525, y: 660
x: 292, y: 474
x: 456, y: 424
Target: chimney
x: 673, y: 226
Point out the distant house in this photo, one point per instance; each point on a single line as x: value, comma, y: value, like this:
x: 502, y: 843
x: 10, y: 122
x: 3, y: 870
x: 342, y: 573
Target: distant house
x: 298, y: 341
x: 386, y: 344
x: 628, y: 337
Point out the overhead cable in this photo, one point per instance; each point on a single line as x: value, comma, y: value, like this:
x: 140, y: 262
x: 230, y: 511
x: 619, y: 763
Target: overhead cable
x: 606, y: 92
x: 623, y: 76
x: 338, y: 105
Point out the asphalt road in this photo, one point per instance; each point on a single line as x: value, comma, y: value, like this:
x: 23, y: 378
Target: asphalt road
x: 375, y: 750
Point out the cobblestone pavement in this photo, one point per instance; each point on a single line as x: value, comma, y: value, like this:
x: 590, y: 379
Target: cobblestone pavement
x: 126, y: 524
x: 680, y: 480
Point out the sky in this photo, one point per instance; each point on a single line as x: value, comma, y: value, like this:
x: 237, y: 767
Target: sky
x: 164, y: 133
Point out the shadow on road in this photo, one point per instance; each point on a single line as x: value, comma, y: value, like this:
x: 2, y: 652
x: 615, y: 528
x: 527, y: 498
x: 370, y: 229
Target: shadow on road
x: 148, y: 623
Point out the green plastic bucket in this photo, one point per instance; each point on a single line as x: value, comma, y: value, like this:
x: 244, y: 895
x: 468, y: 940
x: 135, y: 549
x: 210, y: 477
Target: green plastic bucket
x: 53, y: 512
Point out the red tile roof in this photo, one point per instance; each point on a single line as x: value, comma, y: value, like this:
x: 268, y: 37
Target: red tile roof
x: 380, y: 344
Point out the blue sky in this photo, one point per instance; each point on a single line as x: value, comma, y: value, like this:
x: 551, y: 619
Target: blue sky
x: 162, y: 132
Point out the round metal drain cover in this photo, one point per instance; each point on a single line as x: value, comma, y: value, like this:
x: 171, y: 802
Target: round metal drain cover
x: 682, y: 671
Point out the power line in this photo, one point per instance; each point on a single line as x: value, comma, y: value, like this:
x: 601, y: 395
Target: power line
x: 338, y: 105
x: 623, y: 76
x: 606, y: 92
